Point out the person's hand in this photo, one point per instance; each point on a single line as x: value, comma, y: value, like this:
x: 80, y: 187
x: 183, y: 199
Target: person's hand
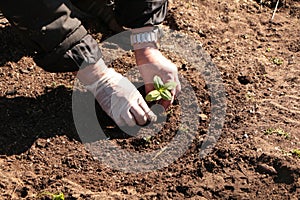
x: 117, y: 96
x: 151, y: 62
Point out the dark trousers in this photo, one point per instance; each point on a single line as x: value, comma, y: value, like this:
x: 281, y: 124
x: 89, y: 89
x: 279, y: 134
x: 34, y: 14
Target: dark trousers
x: 53, y: 27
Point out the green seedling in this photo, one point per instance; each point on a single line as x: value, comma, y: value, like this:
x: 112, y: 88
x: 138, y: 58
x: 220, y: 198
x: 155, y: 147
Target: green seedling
x: 277, y: 61
x: 278, y: 132
x: 296, y: 152
x: 147, y: 138
x: 250, y: 96
x: 53, y: 84
x: 161, y: 90
x: 59, y: 196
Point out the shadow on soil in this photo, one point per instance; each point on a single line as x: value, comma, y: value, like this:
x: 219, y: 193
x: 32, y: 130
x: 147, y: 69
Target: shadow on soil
x: 24, y: 120
x: 12, y: 46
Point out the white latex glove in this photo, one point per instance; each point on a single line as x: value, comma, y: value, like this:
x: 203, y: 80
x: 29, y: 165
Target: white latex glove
x: 151, y: 62
x: 117, y: 96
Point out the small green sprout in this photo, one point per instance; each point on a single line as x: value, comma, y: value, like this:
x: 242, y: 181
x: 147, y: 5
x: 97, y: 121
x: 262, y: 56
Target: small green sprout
x: 296, y: 152
x: 147, y: 138
x: 161, y: 90
x: 250, y: 96
x: 53, y: 84
x: 277, y: 61
x: 278, y: 132
x: 59, y: 196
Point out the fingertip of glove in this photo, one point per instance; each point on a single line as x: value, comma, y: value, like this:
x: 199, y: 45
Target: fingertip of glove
x: 152, y: 117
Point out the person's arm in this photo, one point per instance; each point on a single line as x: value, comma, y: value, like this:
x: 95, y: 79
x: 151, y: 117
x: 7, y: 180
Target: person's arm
x: 63, y: 44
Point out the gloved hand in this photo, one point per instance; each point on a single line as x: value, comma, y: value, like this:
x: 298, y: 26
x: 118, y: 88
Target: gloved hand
x: 151, y: 62
x: 117, y: 96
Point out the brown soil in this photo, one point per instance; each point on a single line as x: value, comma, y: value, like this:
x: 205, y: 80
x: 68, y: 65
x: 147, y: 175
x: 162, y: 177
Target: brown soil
x: 258, y: 59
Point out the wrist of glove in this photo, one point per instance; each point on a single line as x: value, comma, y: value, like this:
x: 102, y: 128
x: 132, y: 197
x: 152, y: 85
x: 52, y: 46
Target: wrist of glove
x: 118, y: 97
x: 145, y: 37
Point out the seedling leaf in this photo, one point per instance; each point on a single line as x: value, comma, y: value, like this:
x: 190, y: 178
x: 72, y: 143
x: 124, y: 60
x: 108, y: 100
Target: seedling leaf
x: 170, y: 85
x: 158, y: 83
x: 166, y: 94
x: 59, y: 196
x: 277, y: 61
x: 153, y: 96
x: 296, y: 152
